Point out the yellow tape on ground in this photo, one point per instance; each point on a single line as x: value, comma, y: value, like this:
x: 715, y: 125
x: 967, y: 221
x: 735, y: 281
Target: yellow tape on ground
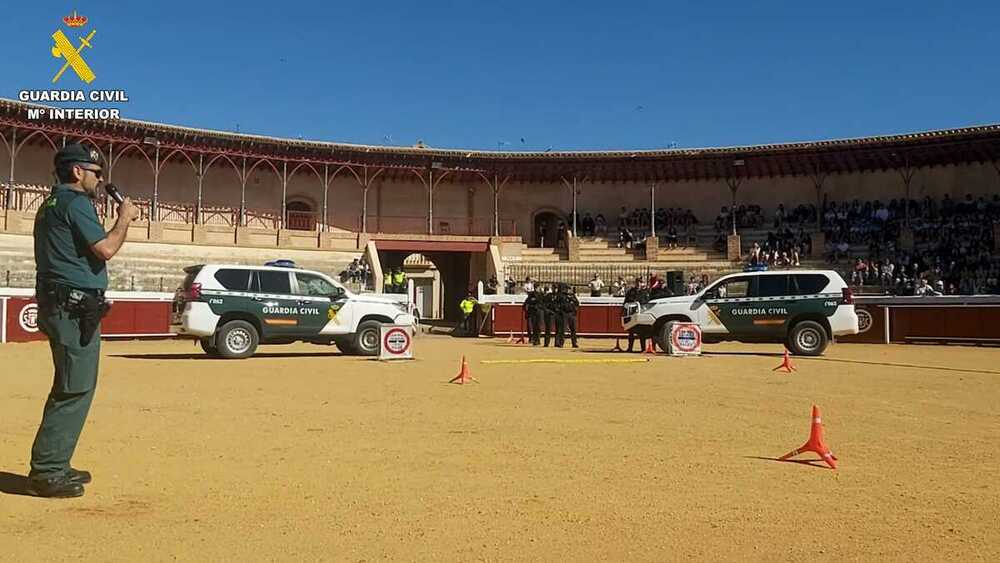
x: 566, y: 361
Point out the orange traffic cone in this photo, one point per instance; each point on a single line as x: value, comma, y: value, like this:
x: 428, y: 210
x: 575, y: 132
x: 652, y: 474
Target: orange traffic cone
x: 786, y: 363
x: 650, y: 347
x: 463, y: 376
x: 815, y: 443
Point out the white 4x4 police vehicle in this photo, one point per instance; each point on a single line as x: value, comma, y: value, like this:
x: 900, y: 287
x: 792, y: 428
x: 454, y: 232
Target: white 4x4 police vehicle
x: 803, y: 309
x: 231, y: 309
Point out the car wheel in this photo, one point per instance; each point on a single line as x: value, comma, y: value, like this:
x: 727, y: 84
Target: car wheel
x: 807, y: 338
x: 345, y: 345
x: 237, y: 339
x: 366, y: 339
x: 208, y: 345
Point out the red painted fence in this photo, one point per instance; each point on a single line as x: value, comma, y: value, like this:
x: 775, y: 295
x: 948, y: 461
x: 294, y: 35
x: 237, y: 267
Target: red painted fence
x: 133, y: 314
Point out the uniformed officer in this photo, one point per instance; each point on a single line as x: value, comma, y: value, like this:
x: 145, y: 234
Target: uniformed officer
x: 71, y: 248
x: 637, y: 294
x: 387, y: 282
x: 533, y: 312
x: 570, y: 306
x: 550, y: 312
x: 468, y: 305
x: 399, y: 280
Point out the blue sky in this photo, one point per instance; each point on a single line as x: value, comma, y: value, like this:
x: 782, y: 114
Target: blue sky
x: 571, y: 76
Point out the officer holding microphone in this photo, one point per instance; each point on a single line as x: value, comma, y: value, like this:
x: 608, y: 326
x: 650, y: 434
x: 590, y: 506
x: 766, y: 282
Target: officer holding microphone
x: 71, y: 249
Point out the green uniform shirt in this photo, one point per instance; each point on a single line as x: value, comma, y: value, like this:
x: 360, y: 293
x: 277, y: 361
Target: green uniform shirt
x: 66, y: 226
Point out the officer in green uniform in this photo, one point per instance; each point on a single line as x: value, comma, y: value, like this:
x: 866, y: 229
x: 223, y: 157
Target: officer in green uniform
x: 71, y: 248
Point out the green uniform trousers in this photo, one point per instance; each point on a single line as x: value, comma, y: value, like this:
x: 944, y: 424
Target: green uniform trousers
x: 71, y: 395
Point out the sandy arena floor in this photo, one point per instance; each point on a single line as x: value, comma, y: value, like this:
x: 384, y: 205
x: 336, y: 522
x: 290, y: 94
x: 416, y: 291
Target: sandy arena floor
x: 301, y: 453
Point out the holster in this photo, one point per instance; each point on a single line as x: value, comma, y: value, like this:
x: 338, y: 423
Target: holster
x: 88, y: 307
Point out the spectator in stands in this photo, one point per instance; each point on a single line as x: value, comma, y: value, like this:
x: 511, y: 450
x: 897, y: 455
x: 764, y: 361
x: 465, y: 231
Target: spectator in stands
x: 722, y: 220
x: 671, y: 237
x: 529, y: 284
x: 543, y: 227
x: 925, y: 289
x: 600, y: 225
x: 623, y: 218
x: 779, y: 216
x: 587, y: 225
x: 625, y: 238
x: 619, y: 287
x: 561, y: 235
x: 692, y: 286
x: 491, y: 285
x: 860, y: 272
x: 509, y: 285
x: 755, y: 254
x: 596, y: 286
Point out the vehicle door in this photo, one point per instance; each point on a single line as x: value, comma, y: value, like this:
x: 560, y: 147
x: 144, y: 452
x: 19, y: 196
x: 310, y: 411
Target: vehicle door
x: 275, y: 304
x: 806, y: 295
x: 229, y: 291
x: 770, y: 307
x: 319, y: 301
x: 719, y: 308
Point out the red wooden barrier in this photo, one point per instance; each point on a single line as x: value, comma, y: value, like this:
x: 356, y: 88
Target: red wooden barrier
x: 138, y: 315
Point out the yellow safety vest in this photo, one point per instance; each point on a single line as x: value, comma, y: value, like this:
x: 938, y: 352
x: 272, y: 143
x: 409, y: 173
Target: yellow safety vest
x: 467, y: 305
x: 399, y: 278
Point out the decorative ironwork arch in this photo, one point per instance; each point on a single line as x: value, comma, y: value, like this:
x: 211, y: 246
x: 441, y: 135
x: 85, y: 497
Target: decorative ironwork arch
x: 19, y: 146
x: 124, y: 151
x: 163, y: 161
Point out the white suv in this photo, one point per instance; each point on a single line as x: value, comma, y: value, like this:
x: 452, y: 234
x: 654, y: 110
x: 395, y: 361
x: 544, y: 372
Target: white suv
x: 231, y: 309
x: 803, y: 309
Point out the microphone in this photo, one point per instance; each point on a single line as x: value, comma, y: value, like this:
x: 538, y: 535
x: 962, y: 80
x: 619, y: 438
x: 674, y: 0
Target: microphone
x: 113, y: 193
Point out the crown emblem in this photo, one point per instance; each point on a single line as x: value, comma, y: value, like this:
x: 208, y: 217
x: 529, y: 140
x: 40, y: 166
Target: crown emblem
x: 75, y: 20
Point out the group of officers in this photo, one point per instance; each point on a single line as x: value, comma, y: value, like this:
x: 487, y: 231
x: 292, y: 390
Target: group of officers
x: 551, y: 311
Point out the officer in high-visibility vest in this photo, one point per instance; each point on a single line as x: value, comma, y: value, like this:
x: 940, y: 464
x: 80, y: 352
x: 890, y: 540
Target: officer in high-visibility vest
x: 399, y: 280
x: 387, y: 282
x: 468, y: 305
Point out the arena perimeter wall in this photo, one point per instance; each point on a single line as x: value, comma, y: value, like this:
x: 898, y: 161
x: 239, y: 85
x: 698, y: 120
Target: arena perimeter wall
x: 969, y: 319
x: 972, y: 319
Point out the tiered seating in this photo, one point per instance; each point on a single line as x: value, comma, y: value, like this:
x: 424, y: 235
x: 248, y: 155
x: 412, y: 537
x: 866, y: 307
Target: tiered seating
x: 143, y: 266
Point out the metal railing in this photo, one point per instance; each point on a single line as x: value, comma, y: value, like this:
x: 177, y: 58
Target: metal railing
x: 577, y: 276
x: 28, y: 198
x: 221, y: 216
x: 262, y: 218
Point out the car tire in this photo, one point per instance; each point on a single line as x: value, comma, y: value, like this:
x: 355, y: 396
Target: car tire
x: 237, y: 339
x: 346, y: 345
x: 807, y: 338
x: 366, y: 339
x: 208, y: 345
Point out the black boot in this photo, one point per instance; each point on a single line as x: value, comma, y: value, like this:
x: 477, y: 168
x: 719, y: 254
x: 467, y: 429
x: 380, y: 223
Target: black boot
x: 79, y: 476
x: 61, y: 486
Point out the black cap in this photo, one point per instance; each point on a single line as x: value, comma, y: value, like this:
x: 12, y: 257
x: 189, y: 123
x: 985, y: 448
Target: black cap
x: 77, y: 153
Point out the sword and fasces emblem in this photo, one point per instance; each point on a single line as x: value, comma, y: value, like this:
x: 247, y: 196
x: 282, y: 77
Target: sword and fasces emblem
x: 64, y: 49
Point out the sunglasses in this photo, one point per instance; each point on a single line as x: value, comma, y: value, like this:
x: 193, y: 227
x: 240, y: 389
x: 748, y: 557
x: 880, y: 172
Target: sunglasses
x: 97, y: 172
